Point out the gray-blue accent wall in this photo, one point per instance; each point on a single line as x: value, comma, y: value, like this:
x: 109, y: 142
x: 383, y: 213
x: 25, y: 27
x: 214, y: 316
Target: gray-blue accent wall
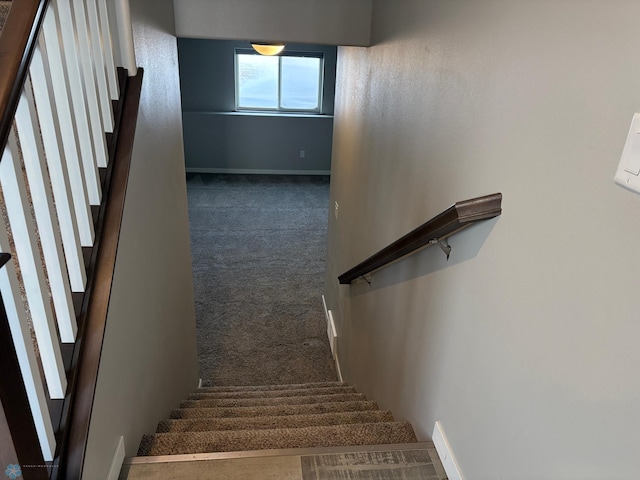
x: 218, y: 139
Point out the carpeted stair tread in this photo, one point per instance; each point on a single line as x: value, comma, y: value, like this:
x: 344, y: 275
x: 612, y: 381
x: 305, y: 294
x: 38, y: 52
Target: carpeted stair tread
x: 274, y: 417
x: 202, y: 395
x: 258, y: 402
x: 305, y: 437
x: 4, y: 12
x: 284, y: 386
x: 270, y: 422
x: 276, y: 410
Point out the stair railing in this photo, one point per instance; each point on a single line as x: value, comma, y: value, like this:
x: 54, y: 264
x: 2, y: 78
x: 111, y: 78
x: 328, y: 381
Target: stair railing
x: 433, y: 232
x: 62, y: 103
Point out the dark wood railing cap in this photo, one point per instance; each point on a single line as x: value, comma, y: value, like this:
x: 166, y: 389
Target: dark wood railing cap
x: 17, y: 43
x: 457, y: 217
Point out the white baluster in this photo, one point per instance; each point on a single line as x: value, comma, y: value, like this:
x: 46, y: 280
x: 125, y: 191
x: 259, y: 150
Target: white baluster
x: 42, y: 201
x: 90, y: 88
x: 78, y: 99
x: 99, y: 67
x: 52, y: 51
x: 18, y: 211
x: 125, y: 35
x: 26, y: 354
x: 51, y: 136
x: 107, y: 45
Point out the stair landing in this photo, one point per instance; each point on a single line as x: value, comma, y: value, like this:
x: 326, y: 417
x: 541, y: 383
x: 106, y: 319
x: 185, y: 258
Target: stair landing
x: 417, y: 461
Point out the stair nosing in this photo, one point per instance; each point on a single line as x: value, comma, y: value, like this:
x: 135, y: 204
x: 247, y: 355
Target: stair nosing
x: 311, y: 417
x: 272, y: 401
x: 277, y: 452
x: 237, y: 410
x: 201, y: 440
x: 268, y: 393
x: 276, y: 386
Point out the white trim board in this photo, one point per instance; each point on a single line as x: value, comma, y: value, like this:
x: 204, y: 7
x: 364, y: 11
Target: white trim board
x: 117, y: 460
x: 331, y: 327
x: 445, y: 453
x: 332, y: 336
x: 338, y: 370
x: 252, y: 171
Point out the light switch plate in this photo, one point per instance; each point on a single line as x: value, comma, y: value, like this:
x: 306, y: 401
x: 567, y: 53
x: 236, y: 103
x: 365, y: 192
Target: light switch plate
x: 628, y: 173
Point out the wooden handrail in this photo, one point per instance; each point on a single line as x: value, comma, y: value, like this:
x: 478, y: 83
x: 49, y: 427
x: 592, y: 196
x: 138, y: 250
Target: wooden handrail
x: 17, y: 43
x: 457, y: 217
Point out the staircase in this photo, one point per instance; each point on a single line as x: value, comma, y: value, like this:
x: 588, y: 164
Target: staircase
x: 227, y: 419
x: 285, y: 432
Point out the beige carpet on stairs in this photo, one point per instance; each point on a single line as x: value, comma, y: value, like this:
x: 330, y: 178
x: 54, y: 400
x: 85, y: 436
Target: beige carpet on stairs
x: 227, y: 419
x: 5, y: 6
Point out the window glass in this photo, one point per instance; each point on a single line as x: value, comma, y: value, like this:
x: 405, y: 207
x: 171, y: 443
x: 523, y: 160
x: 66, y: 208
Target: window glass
x: 300, y: 83
x: 257, y: 81
x: 288, y: 82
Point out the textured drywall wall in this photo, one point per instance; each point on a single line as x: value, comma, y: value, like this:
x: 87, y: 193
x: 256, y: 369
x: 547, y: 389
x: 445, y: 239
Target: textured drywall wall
x: 330, y: 22
x: 524, y: 344
x: 247, y: 142
x: 149, y: 358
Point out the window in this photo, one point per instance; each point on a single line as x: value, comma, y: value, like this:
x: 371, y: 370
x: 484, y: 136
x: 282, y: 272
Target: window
x: 290, y: 82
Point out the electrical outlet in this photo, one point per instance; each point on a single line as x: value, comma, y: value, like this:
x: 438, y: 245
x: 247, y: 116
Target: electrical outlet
x: 335, y: 210
x: 301, y: 153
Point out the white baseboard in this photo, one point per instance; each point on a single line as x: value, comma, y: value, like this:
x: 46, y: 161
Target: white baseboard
x: 338, y: 370
x: 332, y: 336
x: 117, y: 461
x: 445, y: 453
x: 331, y: 327
x: 253, y: 171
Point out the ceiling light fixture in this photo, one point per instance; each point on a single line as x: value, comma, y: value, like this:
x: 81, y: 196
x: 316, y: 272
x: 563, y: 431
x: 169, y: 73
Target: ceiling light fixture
x: 265, y: 48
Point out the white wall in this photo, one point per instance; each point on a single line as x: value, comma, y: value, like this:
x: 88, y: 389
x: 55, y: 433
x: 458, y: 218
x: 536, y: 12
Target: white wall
x: 149, y: 358
x: 525, y: 344
x: 330, y: 22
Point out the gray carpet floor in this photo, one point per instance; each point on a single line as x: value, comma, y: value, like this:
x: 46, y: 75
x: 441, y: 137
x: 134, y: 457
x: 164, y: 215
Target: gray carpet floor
x: 258, y: 249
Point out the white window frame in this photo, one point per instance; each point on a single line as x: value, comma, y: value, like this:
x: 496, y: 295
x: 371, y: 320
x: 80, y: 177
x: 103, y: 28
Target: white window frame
x: 279, y: 108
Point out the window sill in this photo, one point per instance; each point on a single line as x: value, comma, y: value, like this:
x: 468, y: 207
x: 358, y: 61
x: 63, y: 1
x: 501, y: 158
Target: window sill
x: 264, y: 114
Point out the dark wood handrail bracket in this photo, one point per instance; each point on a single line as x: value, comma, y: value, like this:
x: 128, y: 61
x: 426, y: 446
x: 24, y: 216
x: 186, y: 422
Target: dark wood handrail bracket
x: 17, y: 43
x: 433, y: 232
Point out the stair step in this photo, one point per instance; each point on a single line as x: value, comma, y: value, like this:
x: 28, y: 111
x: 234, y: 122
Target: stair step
x: 399, y: 461
x: 4, y: 12
x: 286, y: 421
x: 273, y: 410
x: 258, y: 402
x: 284, y: 386
x: 320, y: 436
x: 202, y: 395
